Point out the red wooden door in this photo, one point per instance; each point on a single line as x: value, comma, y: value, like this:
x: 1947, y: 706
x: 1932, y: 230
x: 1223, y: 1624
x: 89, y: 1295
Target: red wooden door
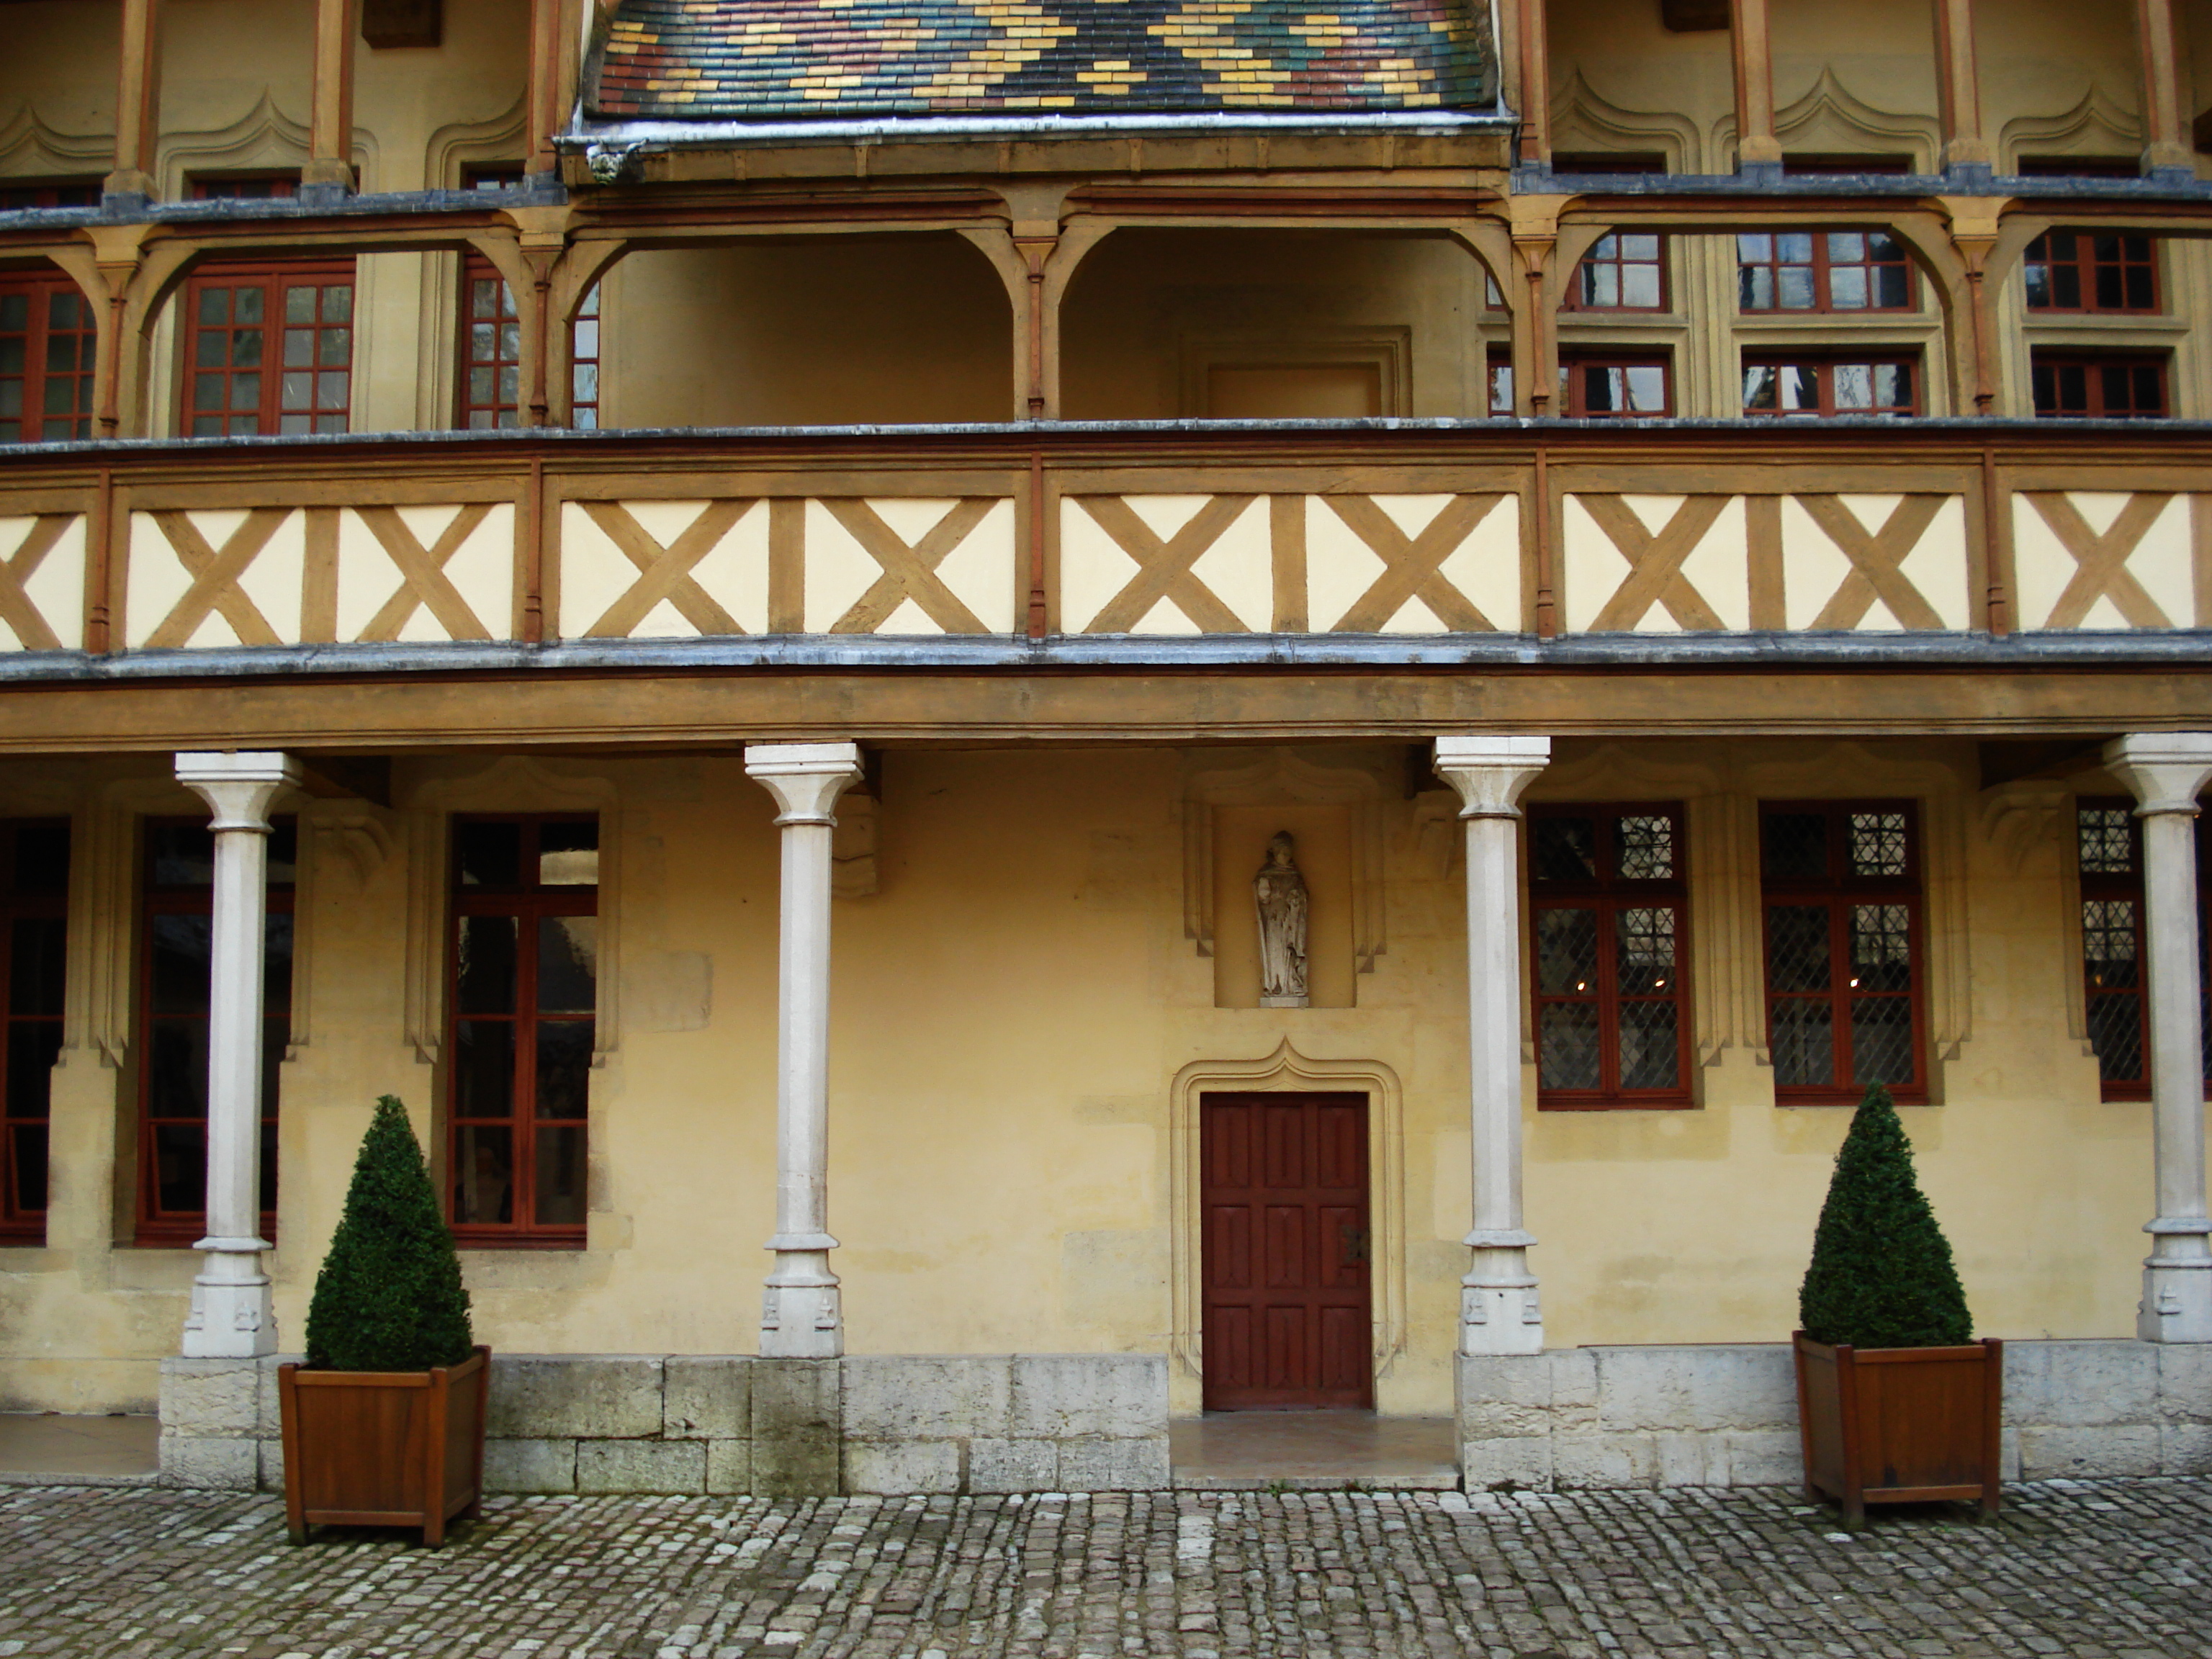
x: 1283, y: 1193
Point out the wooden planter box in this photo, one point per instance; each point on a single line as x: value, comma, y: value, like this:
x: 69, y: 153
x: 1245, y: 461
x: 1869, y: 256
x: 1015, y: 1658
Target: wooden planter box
x: 383, y: 1448
x: 1900, y: 1425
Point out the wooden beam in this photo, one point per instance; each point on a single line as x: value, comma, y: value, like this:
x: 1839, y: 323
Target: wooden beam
x: 545, y: 112
x: 1754, y: 46
x: 2009, y: 760
x: 1958, y: 87
x: 341, y: 777
x: 137, y: 100
x: 1535, y: 57
x: 330, y: 128
x: 2167, y: 142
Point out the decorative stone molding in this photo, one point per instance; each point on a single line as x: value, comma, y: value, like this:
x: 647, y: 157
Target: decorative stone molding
x: 29, y: 146
x: 2098, y: 126
x: 1287, y: 1070
x: 1585, y: 119
x: 1831, y: 118
x: 265, y: 136
x: 334, y: 834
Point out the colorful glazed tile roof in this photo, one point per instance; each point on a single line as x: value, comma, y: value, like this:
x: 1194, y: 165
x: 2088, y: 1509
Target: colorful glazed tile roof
x: 778, y: 59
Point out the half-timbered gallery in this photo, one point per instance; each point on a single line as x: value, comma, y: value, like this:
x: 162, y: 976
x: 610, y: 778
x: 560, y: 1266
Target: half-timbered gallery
x: 1014, y: 722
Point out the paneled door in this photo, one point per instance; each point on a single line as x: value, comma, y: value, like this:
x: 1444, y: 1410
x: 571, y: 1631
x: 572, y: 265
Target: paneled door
x: 1283, y: 1193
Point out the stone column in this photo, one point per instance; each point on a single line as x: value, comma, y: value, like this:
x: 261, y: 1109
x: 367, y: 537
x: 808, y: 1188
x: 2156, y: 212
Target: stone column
x: 1499, y: 1310
x: 800, y: 1316
x: 2165, y: 772
x: 329, y: 166
x: 1755, y: 143
x: 1533, y: 36
x: 137, y: 101
x: 231, y: 1317
x: 1958, y: 87
x: 2166, y: 143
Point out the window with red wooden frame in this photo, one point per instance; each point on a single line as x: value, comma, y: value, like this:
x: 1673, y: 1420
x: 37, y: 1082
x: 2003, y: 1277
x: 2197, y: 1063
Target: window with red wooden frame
x: 490, y: 379
x: 2080, y: 166
x: 244, y: 186
x: 2115, y: 386
x: 47, y: 334
x: 1845, y: 166
x: 2115, y: 956
x: 268, y: 350
x: 1840, y: 887
x: 1609, y: 923
x: 175, y: 922
x: 525, y: 996
x: 1597, y: 388
x: 34, y: 861
x: 1813, y: 271
x: 2101, y: 273
x: 1626, y: 270
x: 584, y: 365
x: 1801, y: 385
x: 57, y: 194
x: 1500, y: 367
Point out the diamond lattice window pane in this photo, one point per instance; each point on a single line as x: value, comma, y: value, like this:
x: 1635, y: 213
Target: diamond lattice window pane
x: 1566, y: 952
x: 2109, y: 950
x: 1563, y: 850
x: 2116, y: 1036
x: 1568, y: 1049
x: 1802, y: 1036
x: 1650, y: 1047
x: 1643, y: 949
x: 1881, y: 947
x: 2107, y: 842
x: 1795, y: 845
x: 1878, y: 844
x: 1882, y: 1040
x: 1797, y: 947
x: 1646, y: 848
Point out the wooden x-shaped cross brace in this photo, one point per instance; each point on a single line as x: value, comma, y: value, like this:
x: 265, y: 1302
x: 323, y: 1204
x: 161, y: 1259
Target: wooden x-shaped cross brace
x: 1164, y: 566
x: 909, y: 572
x: 1654, y: 562
x: 1412, y: 564
x: 214, y: 573
x: 2101, y: 562
x: 664, y: 573
x: 1875, y: 559
x: 16, y: 609
x: 422, y: 573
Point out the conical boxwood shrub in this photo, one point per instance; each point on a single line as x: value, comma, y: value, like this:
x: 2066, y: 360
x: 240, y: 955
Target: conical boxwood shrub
x: 390, y: 1298
x: 1881, y: 1275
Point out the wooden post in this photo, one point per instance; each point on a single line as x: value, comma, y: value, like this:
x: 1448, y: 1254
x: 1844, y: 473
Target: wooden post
x: 330, y: 141
x: 545, y: 59
x: 1756, y: 143
x: 2166, y: 128
x: 1958, y: 82
x: 1536, y: 60
x: 137, y: 100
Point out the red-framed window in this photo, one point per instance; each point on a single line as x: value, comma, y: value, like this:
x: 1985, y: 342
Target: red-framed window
x: 268, y: 349
x: 47, y: 341
x: 524, y: 994
x: 1596, y: 385
x: 1609, y: 925
x: 244, y: 186
x: 53, y: 193
x: 2080, y: 166
x: 584, y: 365
x: 1840, y: 885
x: 2115, y: 955
x: 2110, y: 385
x: 2103, y: 272
x: 490, y: 379
x: 1823, y: 271
x: 175, y: 938
x: 1845, y: 166
x: 34, y: 861
x: 1625, y: 270
x: 491, y: 175
x: 1497, y: 365
x: 1795, y: 384
x: 1594, y: 163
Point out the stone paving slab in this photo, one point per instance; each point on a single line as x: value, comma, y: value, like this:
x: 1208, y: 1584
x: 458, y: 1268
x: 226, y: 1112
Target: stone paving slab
x: 2104, y: 1570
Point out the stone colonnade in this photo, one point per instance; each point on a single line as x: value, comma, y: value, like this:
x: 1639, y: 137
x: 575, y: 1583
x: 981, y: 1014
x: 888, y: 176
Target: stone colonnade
x: 1500, y: 1314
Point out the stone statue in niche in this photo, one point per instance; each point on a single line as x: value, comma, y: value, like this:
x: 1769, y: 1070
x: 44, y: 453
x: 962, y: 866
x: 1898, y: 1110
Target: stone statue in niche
x: 1278, y: 892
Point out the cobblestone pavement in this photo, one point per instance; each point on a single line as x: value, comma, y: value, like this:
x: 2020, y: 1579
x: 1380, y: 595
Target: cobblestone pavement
x: 2120, y: 1570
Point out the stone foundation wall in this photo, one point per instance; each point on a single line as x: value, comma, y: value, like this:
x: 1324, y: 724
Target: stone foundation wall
x: 1726, y: 1415
x: 642, y: 1423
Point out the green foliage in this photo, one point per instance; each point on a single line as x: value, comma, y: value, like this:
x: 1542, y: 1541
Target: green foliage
x: 1881, y: 1275
x: 389, y: 1297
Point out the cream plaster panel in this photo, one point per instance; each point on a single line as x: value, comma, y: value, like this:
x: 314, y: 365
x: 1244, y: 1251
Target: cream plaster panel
x: 1239, y: 569
x: 1814, y: 566
x: 481, y: 569
x: 980, y: 571
x: 1591, y: 567
x: 2161, y: 561
x: 2041, y: 565
x: 55, y: 589
x: 1339, y: 567
x: 274, y: 580
x: 595, y: 574
x: 1487, y: 566
x: 1165, y: 617
x: 839, y: 570
x: 1719, y: 567
x: 158, y: 578
x: 1093, y: 568
x: 1938, y: 564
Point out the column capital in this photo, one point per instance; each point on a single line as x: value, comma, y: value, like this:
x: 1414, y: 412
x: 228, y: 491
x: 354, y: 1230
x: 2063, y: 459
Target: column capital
x: 239, y: 787
x: 1490, y: 771
x: 2165, y: 771
x: 805, y: 778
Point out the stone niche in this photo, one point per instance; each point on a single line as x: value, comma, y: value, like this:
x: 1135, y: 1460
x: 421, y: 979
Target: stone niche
x: 1323, y: 834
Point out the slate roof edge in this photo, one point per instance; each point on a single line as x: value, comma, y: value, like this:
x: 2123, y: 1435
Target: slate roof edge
x: 584, y: 134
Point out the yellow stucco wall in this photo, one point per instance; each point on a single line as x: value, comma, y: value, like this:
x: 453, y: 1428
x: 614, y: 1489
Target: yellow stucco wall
x: 1013, y: 1007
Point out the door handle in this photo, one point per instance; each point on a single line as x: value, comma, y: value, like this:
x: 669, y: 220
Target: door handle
x: 1355, y: 1246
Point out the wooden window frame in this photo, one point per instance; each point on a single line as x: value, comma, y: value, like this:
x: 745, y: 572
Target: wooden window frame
x: 1574, y: 389
x: 22, y: 1222
x: 2043, y: 359
x: 2086, y: 265
x: 1846, y: 164
x: 1497, y: 378
x: 266, y: 184
x: 584, y: 365
x: 275, y: 280
x: 1823, y: 265
x: 503, y: 410
x: 156, y: 1228
x: 1824, y: 365
x: 38, y: 374
x: 2104, y: 887
x: 37, y: 195
x: 1608, y: 895
x: 1596, y: 260
x: 1839, y: 893
x: 528, y: 902
x: 1610, y: 163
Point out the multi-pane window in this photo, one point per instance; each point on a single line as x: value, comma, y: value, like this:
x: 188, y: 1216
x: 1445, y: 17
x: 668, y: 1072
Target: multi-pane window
x: 1500, y: 365
x: 2115, y: 954
x: 33, y: 897
x: 47, y: 335
x: 1608, y: 918
x: 1824, y: 385
x: 491, y: 353
x: 1840, y: 883
x: 584, y: 365
x: 525, y: 996
x: 2107, y: 385
x: 175, y: 942
x: 269, y: 349
x: 244, y: 187
x: 1823, y: 271
x: 78, y: 193
x: 1626, y: 270
x: 1608, y: 387
x: 2075, y: 271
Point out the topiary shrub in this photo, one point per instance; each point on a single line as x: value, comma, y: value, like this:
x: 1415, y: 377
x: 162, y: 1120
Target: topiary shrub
x: 1881, y: 1275
x: 390, y: 1298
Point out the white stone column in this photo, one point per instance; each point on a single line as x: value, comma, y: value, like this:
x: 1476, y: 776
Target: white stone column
x: 231, y: 1316
x: 1498, y: 1310
x: 801, y: 1315
x: 2165, y: 772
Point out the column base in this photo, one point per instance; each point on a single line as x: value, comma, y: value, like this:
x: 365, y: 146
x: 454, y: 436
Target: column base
x: 1500, y: 1319
x: 801, y: 1321
x: 2177, y: 1301
x: 230, y: 1319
